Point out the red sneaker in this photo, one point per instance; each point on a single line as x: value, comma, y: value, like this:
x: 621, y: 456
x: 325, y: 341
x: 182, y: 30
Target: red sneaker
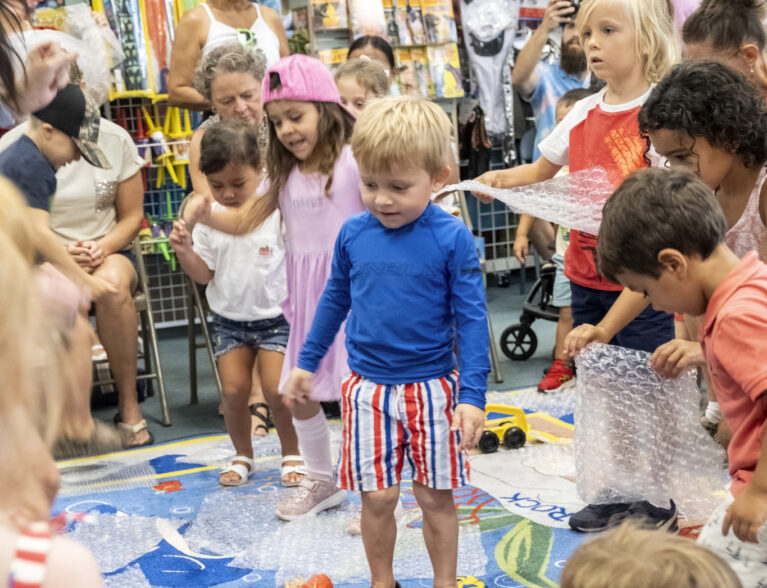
x: 559, y: 377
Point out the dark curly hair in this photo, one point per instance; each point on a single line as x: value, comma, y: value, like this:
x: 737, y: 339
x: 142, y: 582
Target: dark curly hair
x: 710, y: 100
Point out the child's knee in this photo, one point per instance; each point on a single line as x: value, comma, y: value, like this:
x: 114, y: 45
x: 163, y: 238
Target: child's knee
x: 235, y: 393
x: 380, y: 502
x: 431, y: 500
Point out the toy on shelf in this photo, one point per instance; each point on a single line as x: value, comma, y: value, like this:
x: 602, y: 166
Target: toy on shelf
x: 161, y: 152
x: 511, y: 428
x: 154, y: 239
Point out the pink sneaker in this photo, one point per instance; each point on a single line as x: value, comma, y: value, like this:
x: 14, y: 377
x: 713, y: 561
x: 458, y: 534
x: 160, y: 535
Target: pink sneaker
x: 311, y: 497
x: 559, y: 377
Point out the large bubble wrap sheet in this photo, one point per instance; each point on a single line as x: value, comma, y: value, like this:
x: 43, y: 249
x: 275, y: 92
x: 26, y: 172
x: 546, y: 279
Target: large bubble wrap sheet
x: 573, y: 200
x: 638, y: 435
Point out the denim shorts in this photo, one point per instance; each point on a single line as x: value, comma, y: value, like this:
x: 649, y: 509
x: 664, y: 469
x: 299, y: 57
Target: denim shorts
x: 267, y: 334
x: 648, y: 331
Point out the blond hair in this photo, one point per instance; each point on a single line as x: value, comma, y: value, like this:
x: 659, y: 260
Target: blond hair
x: 633, y: 557
x: 402, y: 131
x: 368, y: 74
x: 655, y: 37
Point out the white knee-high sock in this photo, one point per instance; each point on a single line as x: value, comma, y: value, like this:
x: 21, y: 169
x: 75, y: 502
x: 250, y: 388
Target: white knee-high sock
x: 314, y: 440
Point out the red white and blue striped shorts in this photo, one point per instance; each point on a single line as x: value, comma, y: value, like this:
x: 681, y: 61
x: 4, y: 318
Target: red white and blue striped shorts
x: 384, y: 424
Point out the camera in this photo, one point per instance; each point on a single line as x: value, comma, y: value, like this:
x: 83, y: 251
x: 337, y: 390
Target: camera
x: 576, y: 4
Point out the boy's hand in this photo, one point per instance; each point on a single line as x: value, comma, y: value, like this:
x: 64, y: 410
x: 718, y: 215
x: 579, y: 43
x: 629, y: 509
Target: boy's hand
x: 491, y: 179
x: 179, y: 237
x: 298, y: 387
x: 747, y: 514
x: 676, y: 356
x: 469, y: 420
x: 99, y: 288
x: 197, y: 208
x: 581, y: 336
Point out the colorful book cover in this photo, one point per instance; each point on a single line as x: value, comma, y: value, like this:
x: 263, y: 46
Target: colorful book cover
x: 134, y: 68
x: 367, y: 18
x: 421, y: 67
x: 405, y: 72
x: 439, y: 21
x: 400, y: 18
x: 332, y: 58
x: 445, y: 67
x: 392, y: 30
x: 414, y: 15
x: 329, y: 14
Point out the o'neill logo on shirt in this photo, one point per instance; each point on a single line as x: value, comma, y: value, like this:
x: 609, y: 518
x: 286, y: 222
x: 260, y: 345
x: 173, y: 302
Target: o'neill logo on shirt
x: 265, y: 251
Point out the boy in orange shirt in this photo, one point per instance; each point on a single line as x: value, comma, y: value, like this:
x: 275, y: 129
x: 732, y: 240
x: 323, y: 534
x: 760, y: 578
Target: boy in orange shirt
x: 662, y: 235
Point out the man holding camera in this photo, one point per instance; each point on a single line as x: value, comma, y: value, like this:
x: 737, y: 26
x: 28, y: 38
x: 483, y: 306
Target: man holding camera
x: 542, y: 84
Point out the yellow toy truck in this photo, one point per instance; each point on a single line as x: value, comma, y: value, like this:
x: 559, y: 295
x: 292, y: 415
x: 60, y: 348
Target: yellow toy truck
x: 504, y: 423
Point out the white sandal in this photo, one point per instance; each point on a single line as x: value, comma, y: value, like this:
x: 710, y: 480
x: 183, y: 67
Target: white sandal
x: 293, y: 469
x: 239, y: 469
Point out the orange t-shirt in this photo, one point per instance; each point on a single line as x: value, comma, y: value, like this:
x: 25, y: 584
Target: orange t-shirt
x: 595, y: 134
x: 734, y: 341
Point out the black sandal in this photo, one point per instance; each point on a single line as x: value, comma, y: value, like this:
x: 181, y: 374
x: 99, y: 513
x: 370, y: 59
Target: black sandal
x: 256, y: 410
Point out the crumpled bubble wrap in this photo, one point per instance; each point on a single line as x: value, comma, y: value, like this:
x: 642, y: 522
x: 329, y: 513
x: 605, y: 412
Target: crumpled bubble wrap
x: 638, y: 435
x: 572, y: 200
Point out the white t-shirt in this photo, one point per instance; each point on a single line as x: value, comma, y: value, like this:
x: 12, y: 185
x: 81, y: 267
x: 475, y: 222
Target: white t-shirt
x: 250, y: 282
x: 84, y: 206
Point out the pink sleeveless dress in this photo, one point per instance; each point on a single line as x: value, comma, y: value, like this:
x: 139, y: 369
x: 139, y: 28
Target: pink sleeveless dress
x: 312, y: 222
x: 746, y: 234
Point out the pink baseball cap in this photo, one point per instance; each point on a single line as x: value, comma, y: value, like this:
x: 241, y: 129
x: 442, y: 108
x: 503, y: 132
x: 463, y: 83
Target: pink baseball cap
x: 299, y: 77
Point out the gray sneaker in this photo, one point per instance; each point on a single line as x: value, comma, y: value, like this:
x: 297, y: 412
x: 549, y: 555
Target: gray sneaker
x: 311, y: 496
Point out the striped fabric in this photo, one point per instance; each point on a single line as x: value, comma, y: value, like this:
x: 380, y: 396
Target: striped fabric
x: 384, y: 424
x: 28, y: 564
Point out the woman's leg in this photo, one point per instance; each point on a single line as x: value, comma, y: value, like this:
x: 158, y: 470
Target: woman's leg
x: 117, y: 328
x: 236, y: 367
x: 270, y: 367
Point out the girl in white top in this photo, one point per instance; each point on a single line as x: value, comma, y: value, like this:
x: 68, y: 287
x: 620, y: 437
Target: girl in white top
x: 214, y: 23
x: 246, y: 286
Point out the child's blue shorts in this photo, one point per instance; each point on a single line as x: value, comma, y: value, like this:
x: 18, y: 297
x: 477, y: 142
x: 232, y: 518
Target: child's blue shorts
x: 267, y: 334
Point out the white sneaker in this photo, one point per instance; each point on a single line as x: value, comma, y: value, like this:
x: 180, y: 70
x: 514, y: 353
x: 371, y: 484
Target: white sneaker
x: 311, y: 497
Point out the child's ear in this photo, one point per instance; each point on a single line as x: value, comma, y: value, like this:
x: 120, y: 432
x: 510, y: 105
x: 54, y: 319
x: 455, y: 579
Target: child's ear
x: 47, y: 129
x: 439, y: 179
x: 673, y: 261
x: 749, y: 53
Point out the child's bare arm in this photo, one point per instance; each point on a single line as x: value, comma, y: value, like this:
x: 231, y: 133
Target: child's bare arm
x: 57, y: 255
x: 624, y: 310
x: 749, y: 511
x: 522, y: 175
x: 190, y: 261
x: 234, y: 221
x: 520, y: 241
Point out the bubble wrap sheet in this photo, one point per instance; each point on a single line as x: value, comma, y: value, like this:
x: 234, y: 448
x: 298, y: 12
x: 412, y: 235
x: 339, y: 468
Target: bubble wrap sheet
x: 574, y: 201
x: 638, y: 435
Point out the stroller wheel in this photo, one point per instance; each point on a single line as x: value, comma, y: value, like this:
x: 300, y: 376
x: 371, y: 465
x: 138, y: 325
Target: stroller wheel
x: 518, y: 342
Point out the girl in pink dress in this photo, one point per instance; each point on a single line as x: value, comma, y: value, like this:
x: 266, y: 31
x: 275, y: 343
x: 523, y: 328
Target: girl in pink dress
x: 313, y: 179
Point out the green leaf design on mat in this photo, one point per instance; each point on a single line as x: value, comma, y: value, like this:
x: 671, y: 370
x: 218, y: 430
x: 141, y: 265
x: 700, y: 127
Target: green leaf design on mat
x: 523, y: 554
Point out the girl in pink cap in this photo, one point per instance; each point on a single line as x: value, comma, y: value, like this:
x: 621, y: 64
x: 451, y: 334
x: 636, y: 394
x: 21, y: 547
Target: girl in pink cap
x: 313, y: 179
